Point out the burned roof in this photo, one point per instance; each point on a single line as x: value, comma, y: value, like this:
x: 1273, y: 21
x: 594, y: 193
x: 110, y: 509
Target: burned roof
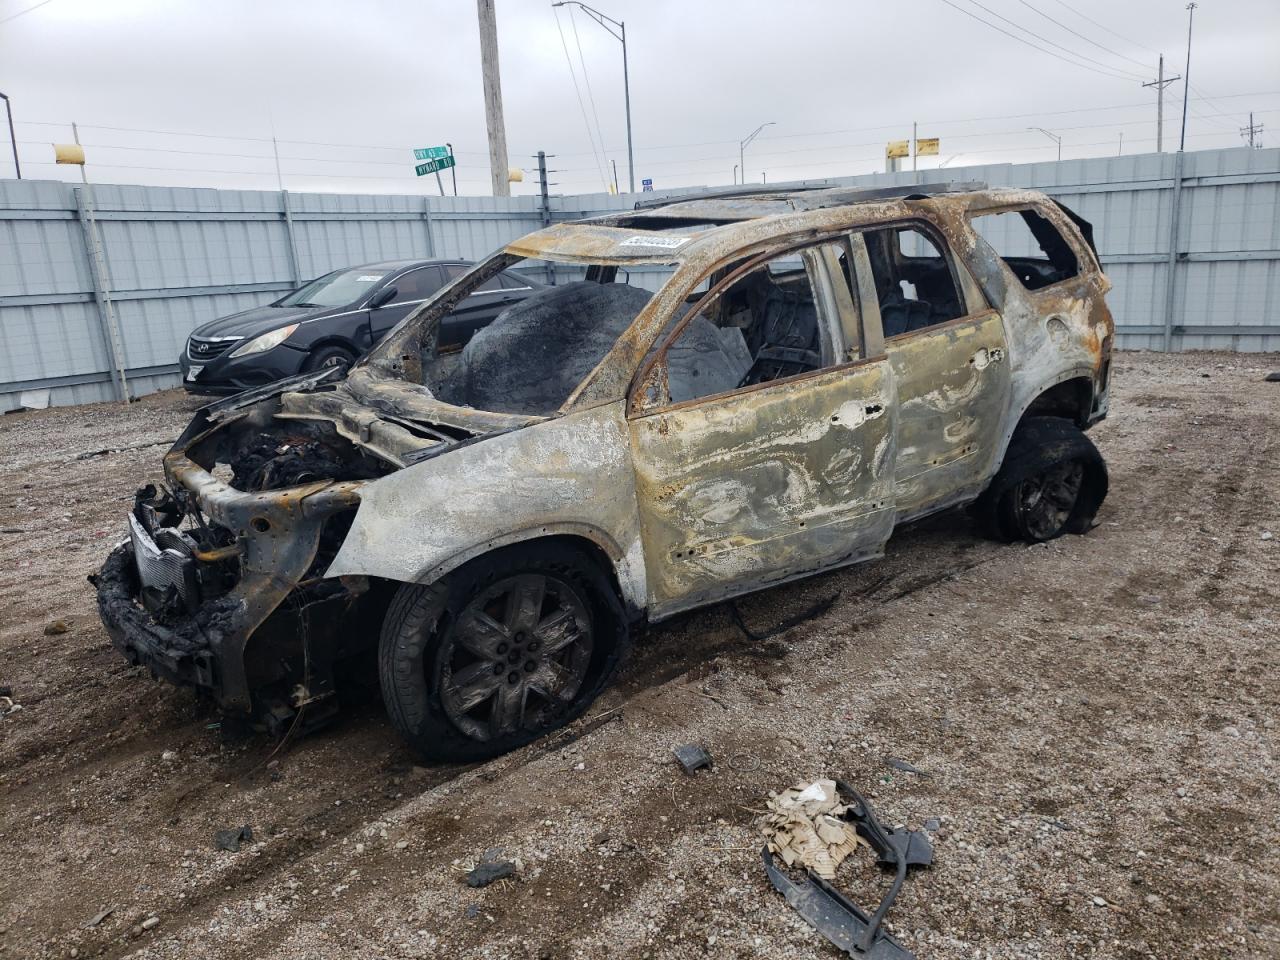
x: 670, y: 229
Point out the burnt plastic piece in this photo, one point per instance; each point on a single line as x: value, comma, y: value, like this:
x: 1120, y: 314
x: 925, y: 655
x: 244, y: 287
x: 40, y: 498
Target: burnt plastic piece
x: 692, y: 758
x: 230, y: 840
x: 852, y: 929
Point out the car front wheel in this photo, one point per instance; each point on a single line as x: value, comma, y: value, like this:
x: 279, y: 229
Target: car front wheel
x: 1052, y: 481
x: 330, y: 357
x: 504, y: 650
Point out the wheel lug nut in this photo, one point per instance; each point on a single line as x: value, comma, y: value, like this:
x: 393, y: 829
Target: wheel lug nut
x: 502, y: 648
x: 513, y: 677
x: 533, y: 647
x: 531, y: 666
x: 497, y: 669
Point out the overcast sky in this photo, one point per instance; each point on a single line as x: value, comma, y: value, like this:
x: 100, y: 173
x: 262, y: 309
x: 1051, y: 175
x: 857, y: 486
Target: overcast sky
x: 190, y: 91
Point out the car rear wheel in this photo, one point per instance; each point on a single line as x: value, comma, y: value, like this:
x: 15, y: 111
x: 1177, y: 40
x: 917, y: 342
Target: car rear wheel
x: 504, y: 650
x: 1052, y: 481
x: 330, y: 357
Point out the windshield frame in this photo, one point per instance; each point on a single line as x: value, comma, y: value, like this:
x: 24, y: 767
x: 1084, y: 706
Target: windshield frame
x: 399, y: 355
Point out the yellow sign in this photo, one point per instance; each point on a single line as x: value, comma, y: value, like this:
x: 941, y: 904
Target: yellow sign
x: 927, y: 148
x: 897, y: 148
x: 68, y: 153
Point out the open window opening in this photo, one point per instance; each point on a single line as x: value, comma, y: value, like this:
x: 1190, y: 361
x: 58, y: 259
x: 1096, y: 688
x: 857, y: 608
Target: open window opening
x: 914, y: 282
x: 1030, y: 244
x: 762, y: 321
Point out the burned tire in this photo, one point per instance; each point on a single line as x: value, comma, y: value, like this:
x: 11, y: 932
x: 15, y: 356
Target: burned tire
x: 333, y: 356
x: 1052, y: 481
x: 504, y: 650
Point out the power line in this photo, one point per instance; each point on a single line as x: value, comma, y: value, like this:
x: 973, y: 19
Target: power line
x: 1081, y: 35
x: 1101, y: 26
x: 578, y: 93
x: 1114, y: 75
x: 23, y: 13
x: 573, y: 21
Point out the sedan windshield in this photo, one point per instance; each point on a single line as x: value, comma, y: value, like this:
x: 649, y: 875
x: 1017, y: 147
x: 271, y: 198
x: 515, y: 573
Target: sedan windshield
x: 335, y: 289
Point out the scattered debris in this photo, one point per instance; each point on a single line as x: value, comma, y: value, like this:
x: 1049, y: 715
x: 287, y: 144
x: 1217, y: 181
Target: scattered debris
x: 744, y: 762
x: 472, y: 911
x: 1273, y: 377
x: 906, y: 767
x: 55, y: 627
x: 828, y: 911
x: 7, y: 706
x: 168, y: 756
x: 1267, y: 535
x: 810, y: 613
x: 230, y: 839
x: 487, y: 871
x: 693, y: 758
x: 805, y: 827
x: 99, y: 917
x: 90, y: 454
x: 151, y: 922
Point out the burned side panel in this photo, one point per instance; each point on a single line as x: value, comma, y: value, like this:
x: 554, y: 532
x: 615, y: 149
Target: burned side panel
x: 953, y: 389
x: 1056, y: 334
x: 759, y: 486
x: 570, y: 475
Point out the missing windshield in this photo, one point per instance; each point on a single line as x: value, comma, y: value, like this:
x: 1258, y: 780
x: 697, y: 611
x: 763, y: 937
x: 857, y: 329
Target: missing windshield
x: 533, y: 353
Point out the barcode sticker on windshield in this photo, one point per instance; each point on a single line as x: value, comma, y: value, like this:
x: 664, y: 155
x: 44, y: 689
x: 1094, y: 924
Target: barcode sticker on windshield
x: 667, y: 243
x: 368, y: 278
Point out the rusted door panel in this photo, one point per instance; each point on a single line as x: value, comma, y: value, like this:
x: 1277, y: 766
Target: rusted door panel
x: 953, y: 390
x: 739, y: 491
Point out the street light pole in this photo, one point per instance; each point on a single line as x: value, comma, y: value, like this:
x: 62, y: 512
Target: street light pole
x: 619, y: 34
x: 1052, y: 136
x: 1186, y: 78
x: 12, y: 139
x: 742, y: 146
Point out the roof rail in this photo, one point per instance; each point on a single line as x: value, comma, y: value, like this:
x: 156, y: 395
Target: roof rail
x: 726, y: 193
x: 839, y: 195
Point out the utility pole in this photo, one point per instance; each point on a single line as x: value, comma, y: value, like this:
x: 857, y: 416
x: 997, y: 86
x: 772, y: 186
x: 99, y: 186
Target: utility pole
x: 498, y: 166
x: 914, y: 141
x: 454, y: 169
x: 12, y: 139
x: 1160, y: 82
x: 545, y: 200
x: 1186, y: 77
x: 1251, y: 132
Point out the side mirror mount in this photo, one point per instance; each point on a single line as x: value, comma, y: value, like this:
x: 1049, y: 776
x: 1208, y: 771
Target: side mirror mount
x: 382, y: 298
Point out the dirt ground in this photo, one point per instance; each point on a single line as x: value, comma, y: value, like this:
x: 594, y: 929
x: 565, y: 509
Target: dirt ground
x: 1094, y: 719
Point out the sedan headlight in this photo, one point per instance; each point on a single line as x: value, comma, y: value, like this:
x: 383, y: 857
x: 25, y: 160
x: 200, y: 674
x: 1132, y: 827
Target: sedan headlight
x: 265, y: 342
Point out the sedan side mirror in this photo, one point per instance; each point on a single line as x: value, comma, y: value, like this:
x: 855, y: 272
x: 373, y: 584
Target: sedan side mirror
x: 382, y: 298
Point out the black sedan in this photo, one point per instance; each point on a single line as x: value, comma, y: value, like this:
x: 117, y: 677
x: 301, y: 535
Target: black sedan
x: 334, y: 319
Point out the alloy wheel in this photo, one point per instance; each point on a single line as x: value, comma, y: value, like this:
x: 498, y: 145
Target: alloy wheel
x: 517, y: 656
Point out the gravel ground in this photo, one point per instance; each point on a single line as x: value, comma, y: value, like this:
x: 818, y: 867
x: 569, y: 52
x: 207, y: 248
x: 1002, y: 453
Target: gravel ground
x: 1094, y: 720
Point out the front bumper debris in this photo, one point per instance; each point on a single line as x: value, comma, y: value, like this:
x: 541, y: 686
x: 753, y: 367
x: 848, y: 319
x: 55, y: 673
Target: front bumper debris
x: 170, y: 603
x: 852, y: 929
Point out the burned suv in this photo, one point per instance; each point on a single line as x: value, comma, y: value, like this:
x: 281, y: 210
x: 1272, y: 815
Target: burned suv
x: 720, y: 394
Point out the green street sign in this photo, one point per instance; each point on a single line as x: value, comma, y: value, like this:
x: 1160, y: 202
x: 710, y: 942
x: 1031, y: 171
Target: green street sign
x: 434, y: 166
x: 431, y: 153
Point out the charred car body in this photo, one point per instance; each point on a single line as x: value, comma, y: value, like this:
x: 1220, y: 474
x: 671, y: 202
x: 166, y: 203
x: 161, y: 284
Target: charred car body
x: 814, y: 368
